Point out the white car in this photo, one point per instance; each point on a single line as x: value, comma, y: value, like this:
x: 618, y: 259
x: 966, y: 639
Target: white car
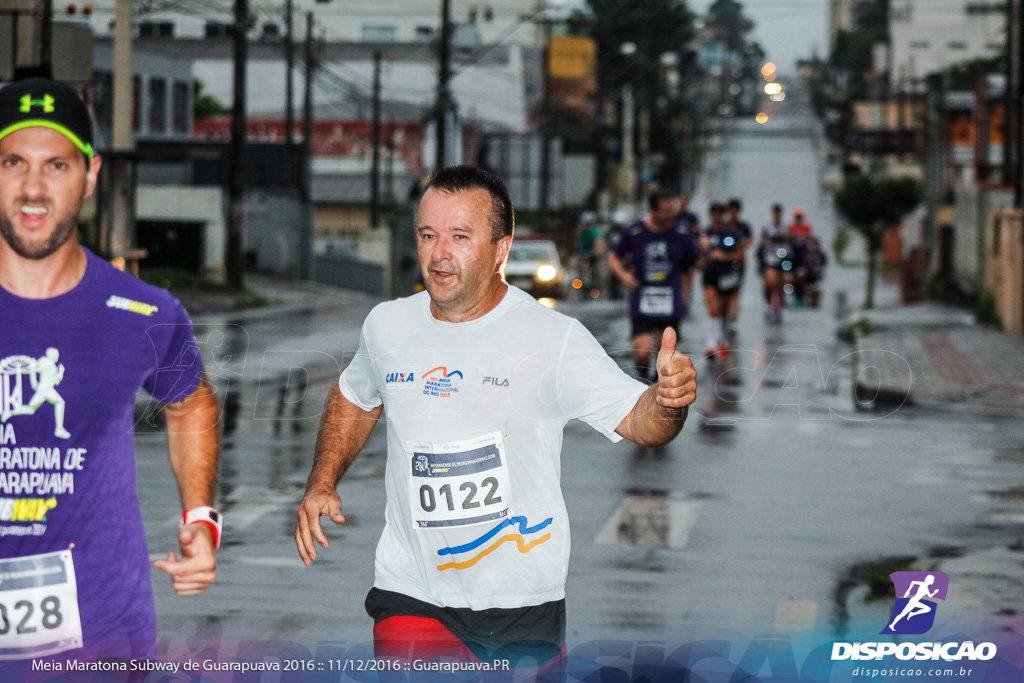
x: 534, y: 266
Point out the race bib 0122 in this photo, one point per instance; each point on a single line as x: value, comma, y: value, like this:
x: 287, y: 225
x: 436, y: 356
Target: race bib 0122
x: 459, y: 483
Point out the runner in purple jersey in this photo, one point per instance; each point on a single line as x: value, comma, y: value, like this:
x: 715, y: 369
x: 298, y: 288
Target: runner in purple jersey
x: 79, y: 340
x: 721, y: 247
x: 746, y: 235
x: 660, y: 251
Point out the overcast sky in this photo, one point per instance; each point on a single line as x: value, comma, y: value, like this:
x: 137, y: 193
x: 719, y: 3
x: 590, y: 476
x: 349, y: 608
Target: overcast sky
x: 787, y: 29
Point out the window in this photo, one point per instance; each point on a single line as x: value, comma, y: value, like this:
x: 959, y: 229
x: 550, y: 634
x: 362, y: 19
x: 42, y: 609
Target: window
x: 156, y: 29
x: 957, y: 45
x: 102, y: 94
x: 920, y: 44
x: 157, y: 105
x: 424, y: 32
x: 216, y: 29
x: 379, y: 33
x: 181, y: 106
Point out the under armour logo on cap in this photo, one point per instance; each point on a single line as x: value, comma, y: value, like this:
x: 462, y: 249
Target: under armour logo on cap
x: 46, y: 103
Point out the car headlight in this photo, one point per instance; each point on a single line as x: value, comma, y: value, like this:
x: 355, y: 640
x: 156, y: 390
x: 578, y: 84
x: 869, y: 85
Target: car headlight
x: 547, y: 273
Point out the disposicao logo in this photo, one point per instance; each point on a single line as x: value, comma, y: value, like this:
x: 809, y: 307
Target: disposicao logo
x: 914, y: 614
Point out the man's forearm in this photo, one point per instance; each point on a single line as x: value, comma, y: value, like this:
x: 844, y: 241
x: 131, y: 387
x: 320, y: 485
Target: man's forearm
x: 193, y: 440
x: 652, y: 424
x: 344, y: 430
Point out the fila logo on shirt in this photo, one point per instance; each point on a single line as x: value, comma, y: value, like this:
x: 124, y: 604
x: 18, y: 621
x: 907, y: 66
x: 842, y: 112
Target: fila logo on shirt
x: 496, y: 381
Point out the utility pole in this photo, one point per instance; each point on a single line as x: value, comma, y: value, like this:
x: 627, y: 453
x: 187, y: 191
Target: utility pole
x: 375, y: 164
x: 289, y: 85
x: 236, y: 212
x: 545, y: 127
x: 121, y: 197
x: 1013, y: 154
x: 307, y: 114
x: 46, y: 41
x: 443, y: 77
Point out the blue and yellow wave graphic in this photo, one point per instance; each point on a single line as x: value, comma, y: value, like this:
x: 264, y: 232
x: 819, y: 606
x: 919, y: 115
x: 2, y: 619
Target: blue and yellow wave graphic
x: 517, y: 538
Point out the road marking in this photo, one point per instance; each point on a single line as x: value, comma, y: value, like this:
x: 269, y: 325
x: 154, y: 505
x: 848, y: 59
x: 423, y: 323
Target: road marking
x: 652, y: 522
x: 793, y: 616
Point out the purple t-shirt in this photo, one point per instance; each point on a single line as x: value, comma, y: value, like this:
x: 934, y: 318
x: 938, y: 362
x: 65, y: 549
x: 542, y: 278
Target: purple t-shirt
x: 70, y: 368
x: 659, y: 261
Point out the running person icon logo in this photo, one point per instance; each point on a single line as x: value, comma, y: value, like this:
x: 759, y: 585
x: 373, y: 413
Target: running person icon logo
x: 914, y: 612
x: 44, y: 374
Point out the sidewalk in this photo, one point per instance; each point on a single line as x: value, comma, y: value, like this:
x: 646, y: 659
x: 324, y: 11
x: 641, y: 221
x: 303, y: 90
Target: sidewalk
x: 928, y: 354
x: 279, y: 294
x: 938, y: 357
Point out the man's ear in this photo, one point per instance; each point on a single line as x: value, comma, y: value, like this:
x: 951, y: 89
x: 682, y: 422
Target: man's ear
x: 504, y: 244
x: 92, y: 174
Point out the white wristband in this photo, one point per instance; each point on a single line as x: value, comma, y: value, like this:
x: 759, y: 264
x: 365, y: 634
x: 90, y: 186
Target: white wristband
x: 205, y: 515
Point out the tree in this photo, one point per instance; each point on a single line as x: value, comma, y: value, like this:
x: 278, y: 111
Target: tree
x: 871, y: 204
x: 205, y: 104
x: 658, y: 34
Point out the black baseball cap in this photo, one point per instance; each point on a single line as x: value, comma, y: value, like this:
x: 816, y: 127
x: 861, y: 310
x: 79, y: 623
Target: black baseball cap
x: 48, y: 104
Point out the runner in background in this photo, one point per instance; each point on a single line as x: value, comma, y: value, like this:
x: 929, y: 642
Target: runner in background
x: 773, y: 259
x: 661, y: 252
x: 720, y: 247
x: 745, y: 236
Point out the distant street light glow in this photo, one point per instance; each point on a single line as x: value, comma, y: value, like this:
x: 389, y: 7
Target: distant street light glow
x: 761, y: 118
x: 777, y: 97
x: 768, y: 70
x: 772, y: 88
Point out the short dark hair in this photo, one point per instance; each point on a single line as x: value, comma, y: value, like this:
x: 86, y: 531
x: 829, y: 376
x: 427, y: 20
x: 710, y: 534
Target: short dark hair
x: 461, y: 178
x: 735, y: 204
x: 716, y: 207
x: 659, y: 196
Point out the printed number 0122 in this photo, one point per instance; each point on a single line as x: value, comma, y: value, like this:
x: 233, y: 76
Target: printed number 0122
x: 428, y: 499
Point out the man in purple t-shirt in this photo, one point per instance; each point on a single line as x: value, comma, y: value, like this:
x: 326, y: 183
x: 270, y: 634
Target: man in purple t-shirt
x: 79, y: 340
x: 661, y: 251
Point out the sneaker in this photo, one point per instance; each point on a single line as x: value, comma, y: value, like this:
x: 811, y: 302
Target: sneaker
x: 709, y: 353
x: 723, y: 351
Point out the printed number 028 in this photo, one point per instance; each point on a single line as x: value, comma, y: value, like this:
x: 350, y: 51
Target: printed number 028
x: 49, y: 606
x: 428, y: 499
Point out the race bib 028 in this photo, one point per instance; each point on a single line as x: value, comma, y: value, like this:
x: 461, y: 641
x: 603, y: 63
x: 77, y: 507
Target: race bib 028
x: 38, y: 606
x: 459, y: 483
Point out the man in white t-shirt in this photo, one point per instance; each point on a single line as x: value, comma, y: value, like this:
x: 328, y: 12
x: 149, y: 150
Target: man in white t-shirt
x: 478, y: 380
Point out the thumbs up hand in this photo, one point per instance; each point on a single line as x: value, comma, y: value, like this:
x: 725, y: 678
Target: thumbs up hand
x: 677, y: 380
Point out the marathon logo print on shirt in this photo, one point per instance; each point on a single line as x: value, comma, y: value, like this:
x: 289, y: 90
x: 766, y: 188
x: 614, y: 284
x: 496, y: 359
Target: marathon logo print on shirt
x: 33, y: 474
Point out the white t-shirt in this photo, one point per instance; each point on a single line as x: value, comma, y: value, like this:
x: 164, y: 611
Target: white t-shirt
x: 475, y: 410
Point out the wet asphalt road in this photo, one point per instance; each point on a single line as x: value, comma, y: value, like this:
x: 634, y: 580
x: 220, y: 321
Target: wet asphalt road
x: 749, y: 522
